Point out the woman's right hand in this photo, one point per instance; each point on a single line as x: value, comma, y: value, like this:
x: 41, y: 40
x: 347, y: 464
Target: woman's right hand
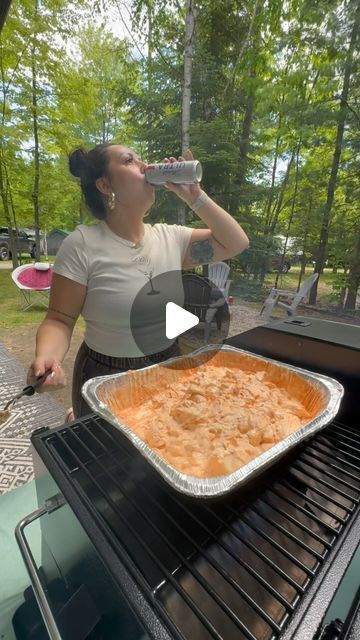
x: 38, y: 367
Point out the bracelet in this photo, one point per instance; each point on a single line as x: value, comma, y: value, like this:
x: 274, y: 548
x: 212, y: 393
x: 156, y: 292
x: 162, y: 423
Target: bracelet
x: 198, y: 203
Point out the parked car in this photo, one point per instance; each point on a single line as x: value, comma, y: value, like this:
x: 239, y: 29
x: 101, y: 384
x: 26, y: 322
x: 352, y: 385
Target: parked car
x: 279, y: 263
x: 32, y: 237
x: 276, y: 260
x: 24, y: 243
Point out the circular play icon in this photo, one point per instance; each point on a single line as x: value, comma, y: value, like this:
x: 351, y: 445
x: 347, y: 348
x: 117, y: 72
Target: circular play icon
x: 182, y: 307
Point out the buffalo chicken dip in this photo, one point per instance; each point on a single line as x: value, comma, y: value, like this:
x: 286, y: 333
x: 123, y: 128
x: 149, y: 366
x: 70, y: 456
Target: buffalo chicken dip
x: 216, y: 420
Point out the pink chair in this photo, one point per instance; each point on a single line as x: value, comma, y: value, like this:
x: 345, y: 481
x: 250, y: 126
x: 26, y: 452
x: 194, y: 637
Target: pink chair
x: 34, y: 282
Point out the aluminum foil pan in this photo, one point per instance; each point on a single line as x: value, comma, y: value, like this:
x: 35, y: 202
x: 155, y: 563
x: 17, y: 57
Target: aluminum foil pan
x: 323, y: 392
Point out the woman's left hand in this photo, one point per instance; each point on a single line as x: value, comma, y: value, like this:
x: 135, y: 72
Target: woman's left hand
x: 186, y: 192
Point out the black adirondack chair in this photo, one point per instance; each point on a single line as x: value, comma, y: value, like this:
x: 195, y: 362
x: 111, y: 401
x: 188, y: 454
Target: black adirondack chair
x: 203, y: 301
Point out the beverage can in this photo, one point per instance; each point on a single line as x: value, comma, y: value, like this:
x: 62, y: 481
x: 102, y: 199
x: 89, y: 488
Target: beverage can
x: 230, y: 300
x: 186, y: 172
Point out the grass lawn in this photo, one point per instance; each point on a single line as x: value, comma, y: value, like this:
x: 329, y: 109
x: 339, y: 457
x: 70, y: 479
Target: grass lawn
x: 12, y: 300
x: 11, y: 315
x: 290, y: 279
x: 328, y: 289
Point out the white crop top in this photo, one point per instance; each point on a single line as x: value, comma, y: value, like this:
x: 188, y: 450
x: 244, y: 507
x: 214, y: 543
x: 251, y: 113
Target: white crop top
x: 114, y: 271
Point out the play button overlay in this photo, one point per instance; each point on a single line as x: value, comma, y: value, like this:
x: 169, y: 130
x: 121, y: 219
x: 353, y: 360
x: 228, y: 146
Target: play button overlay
x: 178, y: 320
x: 177, y: 308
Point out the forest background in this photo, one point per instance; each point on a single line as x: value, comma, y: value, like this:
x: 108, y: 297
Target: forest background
x: 266, y: 93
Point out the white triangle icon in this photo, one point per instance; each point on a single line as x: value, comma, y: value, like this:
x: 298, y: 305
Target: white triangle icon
x: 178, y: 320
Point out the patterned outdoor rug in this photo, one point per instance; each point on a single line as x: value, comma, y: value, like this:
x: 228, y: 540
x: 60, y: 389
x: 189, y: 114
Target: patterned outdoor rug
x: 29, y: 413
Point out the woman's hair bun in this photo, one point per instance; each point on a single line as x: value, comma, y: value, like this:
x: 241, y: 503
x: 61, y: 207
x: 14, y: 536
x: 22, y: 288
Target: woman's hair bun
x: 77, y: 161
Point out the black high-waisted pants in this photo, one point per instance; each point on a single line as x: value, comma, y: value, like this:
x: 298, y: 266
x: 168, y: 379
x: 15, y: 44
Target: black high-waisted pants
x: 89, y: 364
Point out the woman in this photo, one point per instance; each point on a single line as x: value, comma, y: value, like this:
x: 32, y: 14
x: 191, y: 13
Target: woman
x: 99, y: 267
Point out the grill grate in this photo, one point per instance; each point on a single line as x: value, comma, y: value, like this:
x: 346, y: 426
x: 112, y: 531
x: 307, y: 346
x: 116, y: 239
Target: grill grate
x: 235, y: 567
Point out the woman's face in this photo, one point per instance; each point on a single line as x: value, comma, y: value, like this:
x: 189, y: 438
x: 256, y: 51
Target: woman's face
x: 126, y: 175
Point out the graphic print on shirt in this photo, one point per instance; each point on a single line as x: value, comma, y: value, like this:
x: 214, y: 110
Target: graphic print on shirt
x: 147, y: 271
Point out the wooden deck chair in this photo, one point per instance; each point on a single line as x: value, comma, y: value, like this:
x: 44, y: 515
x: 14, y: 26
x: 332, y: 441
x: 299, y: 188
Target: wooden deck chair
x: 34, y: 282
x: 293, y: 299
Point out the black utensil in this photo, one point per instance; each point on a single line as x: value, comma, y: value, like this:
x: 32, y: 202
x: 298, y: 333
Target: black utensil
x: 27, y: 391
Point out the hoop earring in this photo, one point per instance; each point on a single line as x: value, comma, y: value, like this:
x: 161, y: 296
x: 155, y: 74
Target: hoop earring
x: 111, y: 201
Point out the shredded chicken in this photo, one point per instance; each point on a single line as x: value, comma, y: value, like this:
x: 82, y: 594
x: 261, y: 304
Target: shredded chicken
x: 216, y: 421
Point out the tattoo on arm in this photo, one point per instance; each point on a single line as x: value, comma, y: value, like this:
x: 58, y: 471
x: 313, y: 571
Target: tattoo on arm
x: 202, y: 251
x: 62, y: 313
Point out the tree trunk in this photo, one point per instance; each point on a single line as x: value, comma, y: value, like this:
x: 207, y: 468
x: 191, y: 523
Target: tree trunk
x: 36, y: 139
x: 291, y: 217
x: 250, y: 102
x: 342, y: 297
x: 14, y: 217
x: 272, y: 217
x: 104, y: 137
x: 353, y: 280
x: 4, y: 175
x: 45, y: 243
x: 306, y: 233
x: 15, y: 256
x: 190, y: 19
x: 273, y: 175
x: 7, y: 214
x: 324, y: 233
x: 258, y: 6
x: 245, y: 135
x: 149, y: 75
x: 275, y: 216
x: 261, y: 264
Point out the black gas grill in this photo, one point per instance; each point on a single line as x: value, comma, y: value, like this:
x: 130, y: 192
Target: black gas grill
x: 238, y: 567
x: 262, y: 563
